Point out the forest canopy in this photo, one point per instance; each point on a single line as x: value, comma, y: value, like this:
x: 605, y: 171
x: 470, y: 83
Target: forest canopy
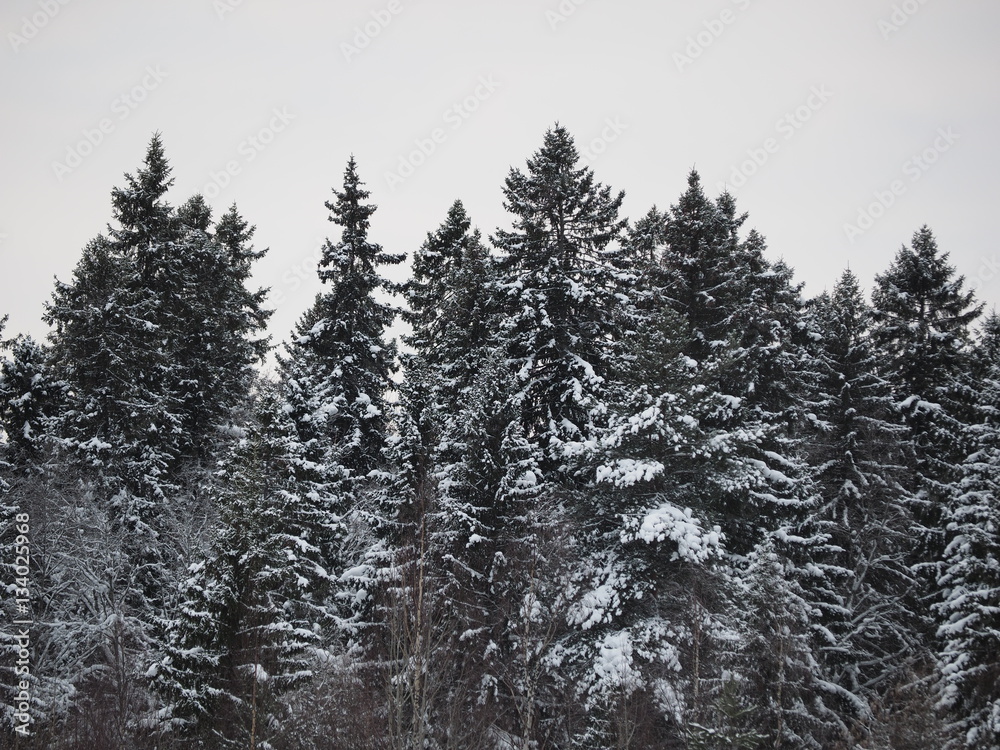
x: 623, y: 485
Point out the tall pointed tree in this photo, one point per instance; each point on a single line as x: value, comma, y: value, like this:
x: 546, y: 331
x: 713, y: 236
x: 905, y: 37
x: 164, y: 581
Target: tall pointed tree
x: 969, y: 612
x: 337, y: 370
x: 448, y: 300
x: 145, y: 220
x: 155, y: 338
x: 702, y: 267
x: 922, y: 318
x: 742, y: 312
x: 449, y: 314
x: 856, y: 579
x: 104, y: 345
x: 211, y: 322
x: 557, y: 286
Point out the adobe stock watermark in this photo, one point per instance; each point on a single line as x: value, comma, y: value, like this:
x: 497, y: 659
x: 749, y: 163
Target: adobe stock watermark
x: 224, y: 7
x: 714, y: 28
x: 914, y: 168
x: 613, y: 128
x: 33, y: 24
x: 987, y: 271
x: 23, y: 592
x: 249, y: 148
x: 900, y: 16
x: 364, y: 34
x: 122, y: 106
x: 455, y: 116
x: 786, y: 126
x: 298, y: 273
x: 561, y: 13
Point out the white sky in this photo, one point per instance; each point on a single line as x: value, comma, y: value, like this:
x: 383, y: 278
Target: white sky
x: 868, y: 84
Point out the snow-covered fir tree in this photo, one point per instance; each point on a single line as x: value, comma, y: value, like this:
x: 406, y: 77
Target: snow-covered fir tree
x: 212, y: 319
x: 743, y: 316
x: 155, y: 334
x: 31, y: 396
x: 777, y: 672
x: 336, y: 374
x: 153, y: 343
x: 252, y: 613
x: 557, y: 287
x: 969, y: 610
x: 856, y: 579
x: 450, y: 304
x: 922, y: 327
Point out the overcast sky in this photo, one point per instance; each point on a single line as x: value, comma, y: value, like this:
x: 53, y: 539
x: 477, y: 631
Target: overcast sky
x: 841, y: 127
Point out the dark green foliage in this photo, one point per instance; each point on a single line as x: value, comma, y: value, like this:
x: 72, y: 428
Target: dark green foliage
x: 251, y: 612
x: 922, y: 316
x: 969, y: 611
x: 623, y: 487
x: 337, y: 369
x: 556, y: 289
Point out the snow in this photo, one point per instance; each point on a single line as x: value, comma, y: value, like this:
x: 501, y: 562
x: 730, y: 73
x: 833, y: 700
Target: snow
x: 919, y: 405
x: 596, y: 606
x: 614, y: 667
x: 527, y: 480
x: 668, y: 521
x: 258, y: 672
x: 358, y: 571
x: 627, y: 471
x: 95, y: 443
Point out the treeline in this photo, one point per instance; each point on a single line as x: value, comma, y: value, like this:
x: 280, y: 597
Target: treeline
x: 624, y: 487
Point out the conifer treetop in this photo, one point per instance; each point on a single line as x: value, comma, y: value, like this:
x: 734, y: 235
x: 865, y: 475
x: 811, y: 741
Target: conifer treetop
x: 921, y: 276
x: 923, y: 313
x: 560, y: 203
x: 138, y: 207
x: 354, y: 255
x: 195, y: 213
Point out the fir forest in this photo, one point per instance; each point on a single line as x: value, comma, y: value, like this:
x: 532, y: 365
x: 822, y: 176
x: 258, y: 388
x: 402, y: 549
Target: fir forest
x: 619, y: 483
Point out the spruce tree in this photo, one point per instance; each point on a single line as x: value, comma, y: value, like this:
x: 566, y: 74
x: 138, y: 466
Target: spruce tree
x: 969, y: 610
x: 211, y: 322
x: 145, y: 220
x: 30, y: 398
x: 450, y: 330
x: 337, y: 372
x: 922, y: 318
x: 778, y: 667
x: 156, y: 334
x: 742, y: 312
x: 450, y: 314
x: 557, y: 285
x: 154, y: 340
x: 449, y: 305
x: 467, y: 526
x: 702, y: 267
x: 660, y: 562
x: 561, y: 292
x: 856, y: 578
x: 254, y: 608
x: 104, y: 345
